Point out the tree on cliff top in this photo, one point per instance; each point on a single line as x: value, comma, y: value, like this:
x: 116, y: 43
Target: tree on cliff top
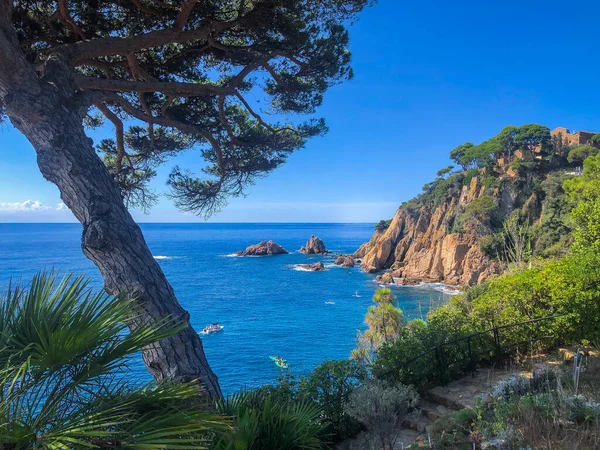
x: 457, y: 155
x: 531, y: 136
x: 579, y: 154
x: 183, y: 74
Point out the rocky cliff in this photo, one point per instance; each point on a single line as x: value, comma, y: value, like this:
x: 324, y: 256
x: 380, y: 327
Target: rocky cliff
x: 419, y: 244
x: 505, y: 208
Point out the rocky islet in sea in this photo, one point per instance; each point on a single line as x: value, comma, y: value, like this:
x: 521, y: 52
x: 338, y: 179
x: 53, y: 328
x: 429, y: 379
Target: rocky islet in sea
x: 263, y: 248
x: 314, y: 246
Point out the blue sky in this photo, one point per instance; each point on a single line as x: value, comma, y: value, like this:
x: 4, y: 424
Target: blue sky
x: 428, y: 76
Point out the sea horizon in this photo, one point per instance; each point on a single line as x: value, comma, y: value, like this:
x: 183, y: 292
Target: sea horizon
x: 75, y: 222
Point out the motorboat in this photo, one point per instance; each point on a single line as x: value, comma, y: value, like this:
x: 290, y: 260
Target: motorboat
x: 212, y: 328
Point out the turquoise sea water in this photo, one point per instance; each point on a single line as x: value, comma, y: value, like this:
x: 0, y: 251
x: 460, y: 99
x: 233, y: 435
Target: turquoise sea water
x: 267, y: 306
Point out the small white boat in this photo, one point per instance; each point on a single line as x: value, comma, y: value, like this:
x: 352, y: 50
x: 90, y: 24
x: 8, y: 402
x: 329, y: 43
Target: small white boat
x: 330, y: 303
x: 356, y: 295
x: 212, y: 328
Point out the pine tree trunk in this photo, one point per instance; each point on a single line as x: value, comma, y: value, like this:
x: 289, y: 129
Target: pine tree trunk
x: 49, y: 112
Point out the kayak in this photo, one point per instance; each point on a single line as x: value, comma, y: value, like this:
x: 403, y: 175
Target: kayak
x: 277, y: 358
x: 279, y: 362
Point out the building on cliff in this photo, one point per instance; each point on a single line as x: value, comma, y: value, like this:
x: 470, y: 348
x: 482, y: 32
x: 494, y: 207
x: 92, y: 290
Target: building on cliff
x: 569, y: 139
x: 575, y: 138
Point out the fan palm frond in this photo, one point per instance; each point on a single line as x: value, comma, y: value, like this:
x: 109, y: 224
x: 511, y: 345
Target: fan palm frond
x: 64, y: 380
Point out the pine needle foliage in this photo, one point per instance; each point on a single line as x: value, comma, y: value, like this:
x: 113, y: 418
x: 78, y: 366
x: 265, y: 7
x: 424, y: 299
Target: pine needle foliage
x: 384, y: 321
x: 238, y: 81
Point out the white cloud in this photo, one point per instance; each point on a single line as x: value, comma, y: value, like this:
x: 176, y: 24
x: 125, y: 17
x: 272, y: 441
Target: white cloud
x: 29, y: 206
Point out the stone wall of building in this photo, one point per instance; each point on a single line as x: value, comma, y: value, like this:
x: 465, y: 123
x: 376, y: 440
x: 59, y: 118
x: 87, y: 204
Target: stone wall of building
x: 577, y: 138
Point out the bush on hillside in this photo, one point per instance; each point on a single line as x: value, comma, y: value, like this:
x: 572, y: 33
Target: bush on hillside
x: 453, y: 429
x: 579, y: 154
x: 471, y: 173
x: 263, y: 422
x: 534, y: 415
x: 478, y: 213
x: 328, y: 386
x: 383, y: 225
x: 382, y: 409
x: 583, y: 193
x: 568, y: 289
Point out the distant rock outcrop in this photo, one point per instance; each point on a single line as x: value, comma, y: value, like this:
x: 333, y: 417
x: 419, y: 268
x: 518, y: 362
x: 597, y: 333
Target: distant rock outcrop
x: 314, y: 246
x: 316, y: 267
x: 263, y: 248
x: 344, y: 261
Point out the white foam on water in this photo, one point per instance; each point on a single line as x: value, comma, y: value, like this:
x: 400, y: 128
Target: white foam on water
x: 448, y: 290
x: 440, y: 287
x: 299, y: 268
x: 163, y: 257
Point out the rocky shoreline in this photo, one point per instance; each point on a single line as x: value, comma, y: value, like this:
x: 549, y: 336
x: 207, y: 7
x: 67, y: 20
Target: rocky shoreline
x: 363, y: 258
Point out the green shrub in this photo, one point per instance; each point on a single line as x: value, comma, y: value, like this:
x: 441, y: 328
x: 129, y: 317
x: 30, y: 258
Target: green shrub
x: 411, y: 205
x: 382, y: 408
x: 383, y: 225
x: 412, y: 359
x: 522, y: 167
x: 469, y: 176
x: 452, y: 428
x: 265, y: 423
x: 491, y: 182
x: 479, y: 211
x: 533, y: 413
x: 579, y: 154
x: 328, y: 386
x: 584, y: 194
x: 435, y: 192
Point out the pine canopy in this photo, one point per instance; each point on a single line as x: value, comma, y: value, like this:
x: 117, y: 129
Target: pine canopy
x: 228, y: 78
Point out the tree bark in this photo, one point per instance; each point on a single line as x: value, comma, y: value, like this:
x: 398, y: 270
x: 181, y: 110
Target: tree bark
x: 48, y: 109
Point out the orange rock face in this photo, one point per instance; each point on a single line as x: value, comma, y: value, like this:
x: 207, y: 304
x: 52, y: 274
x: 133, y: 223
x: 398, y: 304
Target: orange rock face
x: 418, y: 247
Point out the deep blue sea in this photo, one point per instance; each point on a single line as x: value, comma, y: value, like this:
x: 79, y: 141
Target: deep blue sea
x: 266, y: 305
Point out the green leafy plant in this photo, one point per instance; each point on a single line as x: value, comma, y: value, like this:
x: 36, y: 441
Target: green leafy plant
x: 382, y: 408
x: 383, y: 225
x: 328, y: 386
x: 263, y: 422
x: 64, y: 380
x: 453, y: 428
x: 584, y: 194
x: 579, y: 154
